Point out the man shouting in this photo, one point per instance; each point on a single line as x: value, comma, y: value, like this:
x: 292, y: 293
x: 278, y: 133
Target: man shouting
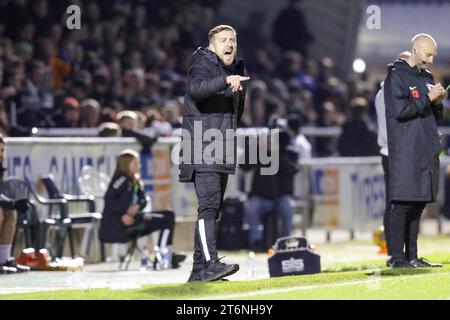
x: 214, y: 102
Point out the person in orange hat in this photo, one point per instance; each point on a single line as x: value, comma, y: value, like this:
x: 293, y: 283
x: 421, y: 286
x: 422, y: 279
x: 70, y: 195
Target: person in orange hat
x: 70, y: 114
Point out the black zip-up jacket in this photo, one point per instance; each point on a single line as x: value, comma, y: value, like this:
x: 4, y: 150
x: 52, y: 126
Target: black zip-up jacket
x: 121, y: 195
x: 412, y: 133
x: 210, y: 102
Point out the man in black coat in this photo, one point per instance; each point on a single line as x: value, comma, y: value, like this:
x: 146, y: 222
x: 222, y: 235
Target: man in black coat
x: 413, y: 103
x: 214, y: 102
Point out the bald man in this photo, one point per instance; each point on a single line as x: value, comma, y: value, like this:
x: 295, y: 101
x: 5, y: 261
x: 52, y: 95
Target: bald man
x: 413, y: 104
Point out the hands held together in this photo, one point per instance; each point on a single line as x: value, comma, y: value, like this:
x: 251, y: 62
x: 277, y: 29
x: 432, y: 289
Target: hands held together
x: 128, y: 217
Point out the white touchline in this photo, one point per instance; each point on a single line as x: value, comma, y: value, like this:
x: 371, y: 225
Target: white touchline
x: 298, y: 288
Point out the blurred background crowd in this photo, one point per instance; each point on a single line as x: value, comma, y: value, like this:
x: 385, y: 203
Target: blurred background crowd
x: 134, y: 56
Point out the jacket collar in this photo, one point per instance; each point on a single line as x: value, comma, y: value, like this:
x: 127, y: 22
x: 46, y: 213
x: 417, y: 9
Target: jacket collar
x: 206, y: 53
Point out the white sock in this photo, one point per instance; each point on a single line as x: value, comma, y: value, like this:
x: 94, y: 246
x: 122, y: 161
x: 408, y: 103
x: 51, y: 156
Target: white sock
x: 5, y: 253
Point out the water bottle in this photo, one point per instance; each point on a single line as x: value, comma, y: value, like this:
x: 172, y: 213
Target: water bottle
x: 250, y: 265
x: 144, y: 260
x: 166, y: 258
x: 158, y: 259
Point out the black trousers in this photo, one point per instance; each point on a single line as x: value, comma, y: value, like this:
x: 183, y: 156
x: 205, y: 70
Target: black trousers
x: 404, y: 229
x: 387, y: 209
x: 210, y: 188
x: 146, y: 223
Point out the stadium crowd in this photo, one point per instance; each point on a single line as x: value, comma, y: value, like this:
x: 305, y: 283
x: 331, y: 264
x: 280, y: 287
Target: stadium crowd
x: 125, y: 70
x: 134, y: 55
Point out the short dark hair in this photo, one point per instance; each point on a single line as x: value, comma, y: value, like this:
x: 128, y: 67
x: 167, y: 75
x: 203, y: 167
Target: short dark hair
x: 218, y: 29
x: 359, y: 106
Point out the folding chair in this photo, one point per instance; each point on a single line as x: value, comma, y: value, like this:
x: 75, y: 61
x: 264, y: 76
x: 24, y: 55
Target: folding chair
x: 94, y: 183
x: 90, y: 218
x: 27, y: 219
x: 18, y: 190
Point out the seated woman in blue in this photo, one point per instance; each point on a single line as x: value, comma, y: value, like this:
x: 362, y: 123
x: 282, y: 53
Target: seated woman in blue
x: 123, y: 219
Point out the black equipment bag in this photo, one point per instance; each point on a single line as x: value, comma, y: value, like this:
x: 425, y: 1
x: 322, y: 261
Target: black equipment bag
x: 230, y: 232
x: 292, y: 257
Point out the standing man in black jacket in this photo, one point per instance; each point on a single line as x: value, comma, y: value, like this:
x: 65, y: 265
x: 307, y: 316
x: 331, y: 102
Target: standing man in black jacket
x: 413, y: 103
x: 214, y: 102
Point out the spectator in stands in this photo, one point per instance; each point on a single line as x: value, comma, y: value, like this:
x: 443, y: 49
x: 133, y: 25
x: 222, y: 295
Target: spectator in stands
x: 156, y: 121
x: 128, y: 122
x: 123, y: 218
x: 109, y: 129
x: 290, y: 31
x: 79, y: 89
x: 290, y: 65
x: 299, y: 103
x: 89, y: 113
x: 358, y: 137
x: 70, y: 114
x: 101, y: 90
x: 325, y: 146
x: 141, y: 120
x: 5, y: 125
x: 258, y: 93
x: 35, y: 100
x: 172, y: 114
x: 300, y: 143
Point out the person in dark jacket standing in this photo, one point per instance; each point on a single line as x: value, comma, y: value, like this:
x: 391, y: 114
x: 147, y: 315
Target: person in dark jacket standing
x: 272, y: 194
x: 123, y: 218
x: 358, y: 138
x: 413, y: 103
x: 214, y: 102
x: 382, y: 143
x: 290, y: 31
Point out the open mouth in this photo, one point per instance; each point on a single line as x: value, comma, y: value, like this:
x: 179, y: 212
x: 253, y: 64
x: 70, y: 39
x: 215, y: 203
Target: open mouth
x: 228, y: 53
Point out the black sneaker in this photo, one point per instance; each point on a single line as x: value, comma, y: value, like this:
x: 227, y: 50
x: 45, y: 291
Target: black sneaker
x: 7, y: 270
x: 213, y: 271
x: 388, y: 263
x: 12, y: 265
x: 423, y: 263
x: 400, y: 264
x: 177, y: 258
x: 216, y: 270
x: 195, y: 276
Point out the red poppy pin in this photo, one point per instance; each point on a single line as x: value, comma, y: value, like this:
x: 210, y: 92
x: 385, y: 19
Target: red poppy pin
x: 415, y: 92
